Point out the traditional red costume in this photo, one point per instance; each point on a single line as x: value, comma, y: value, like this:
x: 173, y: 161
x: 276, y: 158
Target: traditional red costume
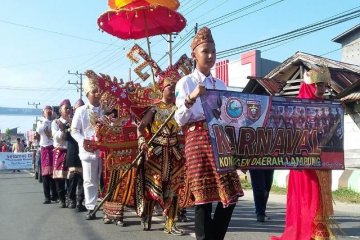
x: 309, y: 197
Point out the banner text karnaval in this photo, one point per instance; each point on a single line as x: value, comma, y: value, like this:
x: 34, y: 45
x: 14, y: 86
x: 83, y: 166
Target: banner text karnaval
x: 263, y: 132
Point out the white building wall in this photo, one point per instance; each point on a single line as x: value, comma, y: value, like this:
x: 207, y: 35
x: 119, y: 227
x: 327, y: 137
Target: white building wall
x: 352, y: 133
x: 238, y: 74
x: 351, y: 52
x: 352, y: 141
x: 351, y: 49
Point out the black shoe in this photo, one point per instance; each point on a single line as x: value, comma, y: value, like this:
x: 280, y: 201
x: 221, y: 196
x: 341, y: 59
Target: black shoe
x: 54, y: 199
x: 81, y: 208
x: 260, y: 218
x: 47, y: 201
x: 72, y: 204
x: 90, y: 215
x: 62, y: 204
x: 146, y: 223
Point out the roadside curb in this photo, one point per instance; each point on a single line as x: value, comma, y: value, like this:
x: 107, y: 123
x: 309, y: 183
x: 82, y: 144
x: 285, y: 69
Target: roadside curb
x: 281, y: 199
x: 348, y: 178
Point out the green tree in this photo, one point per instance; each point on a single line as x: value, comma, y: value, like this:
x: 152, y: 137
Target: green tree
x: 7, y: 134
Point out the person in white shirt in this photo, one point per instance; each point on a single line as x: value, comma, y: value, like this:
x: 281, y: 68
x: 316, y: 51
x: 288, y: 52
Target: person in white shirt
x: 46, y: 154
x: 83, y: 127
x: 203, y: 183
x: 58, y: 128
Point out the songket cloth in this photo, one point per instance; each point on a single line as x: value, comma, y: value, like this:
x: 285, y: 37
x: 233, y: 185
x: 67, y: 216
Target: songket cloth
x: 123, y: 193
x: 46, y: 155
x: 203, y: 184
x: 165, y: 166
x: 60, y: 168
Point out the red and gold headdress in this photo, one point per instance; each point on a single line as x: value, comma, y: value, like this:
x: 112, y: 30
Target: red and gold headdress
x: 170, y: 76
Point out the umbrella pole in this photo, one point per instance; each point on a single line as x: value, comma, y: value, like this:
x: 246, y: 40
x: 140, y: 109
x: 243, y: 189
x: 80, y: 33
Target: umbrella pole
x: 152, y: 70
x: 148, y: 45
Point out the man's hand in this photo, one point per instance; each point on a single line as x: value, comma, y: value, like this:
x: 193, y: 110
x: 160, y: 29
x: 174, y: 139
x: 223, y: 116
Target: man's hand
x: 199, y: 90
x: 88, y: 148
x: 60, y: 124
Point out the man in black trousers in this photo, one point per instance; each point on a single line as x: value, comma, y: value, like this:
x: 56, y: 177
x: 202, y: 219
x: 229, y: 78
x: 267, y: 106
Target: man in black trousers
x: 261, y: 181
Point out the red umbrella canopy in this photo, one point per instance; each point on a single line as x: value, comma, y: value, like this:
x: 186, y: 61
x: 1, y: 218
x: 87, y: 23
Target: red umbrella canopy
x: 172, y: 4
x: 140, y: 19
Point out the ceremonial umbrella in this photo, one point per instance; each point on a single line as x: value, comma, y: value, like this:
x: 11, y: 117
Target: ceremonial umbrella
x: 140, y: 19
x: 171, y: 4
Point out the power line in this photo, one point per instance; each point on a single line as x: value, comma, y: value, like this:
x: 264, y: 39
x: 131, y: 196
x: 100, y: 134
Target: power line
x: 179, y: 45
x: 267, y: 6
x: 292, y: 34
x: 32, y: 89
x: 53, y: 32
x: 225, y: 16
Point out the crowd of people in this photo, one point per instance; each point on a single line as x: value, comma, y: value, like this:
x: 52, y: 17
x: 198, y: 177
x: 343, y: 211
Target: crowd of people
x: 172, y: 177
x: 17, y: 147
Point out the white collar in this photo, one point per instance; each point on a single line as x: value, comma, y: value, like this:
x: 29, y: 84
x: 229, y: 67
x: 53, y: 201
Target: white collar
x: 91, y: 107
x: 199, y: 76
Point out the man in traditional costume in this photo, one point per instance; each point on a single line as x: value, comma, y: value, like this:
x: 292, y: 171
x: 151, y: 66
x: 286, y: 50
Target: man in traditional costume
x: 163, y: 166
x: 75, y: 189
x: 309, y: 197
x: 203, y: 184
x: 58, y: 129
x: 83, y: 128
x: 114, y: 166
x: 46, y: 154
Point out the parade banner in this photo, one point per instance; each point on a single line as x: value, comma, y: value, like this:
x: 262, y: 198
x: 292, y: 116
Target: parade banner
x: 264, y: 132
x: 14, y: 161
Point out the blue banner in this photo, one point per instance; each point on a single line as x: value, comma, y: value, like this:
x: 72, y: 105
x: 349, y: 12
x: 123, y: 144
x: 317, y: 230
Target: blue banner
x: 12, y: 161
x: 264, y: 132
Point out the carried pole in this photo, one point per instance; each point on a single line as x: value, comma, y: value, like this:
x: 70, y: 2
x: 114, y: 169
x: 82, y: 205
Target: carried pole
x: 133, y: 163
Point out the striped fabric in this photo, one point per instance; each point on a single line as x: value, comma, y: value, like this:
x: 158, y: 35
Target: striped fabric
x: 202, y: 182
x: 46, y: 154
x: 60, y: 170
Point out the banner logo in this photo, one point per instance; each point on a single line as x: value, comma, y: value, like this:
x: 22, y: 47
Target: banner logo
x: 234, y: 108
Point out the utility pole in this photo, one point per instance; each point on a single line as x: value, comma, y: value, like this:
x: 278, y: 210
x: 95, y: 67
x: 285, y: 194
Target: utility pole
x: 36, y: 106
x: 195, y: 30
x: 77, y: 84
x: 170, y: 41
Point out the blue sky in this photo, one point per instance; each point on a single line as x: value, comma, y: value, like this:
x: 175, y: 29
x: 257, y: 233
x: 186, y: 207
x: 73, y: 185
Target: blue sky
x: 41, y: 40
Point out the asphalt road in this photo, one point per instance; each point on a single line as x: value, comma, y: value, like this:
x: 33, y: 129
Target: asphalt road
x: 23, y: 216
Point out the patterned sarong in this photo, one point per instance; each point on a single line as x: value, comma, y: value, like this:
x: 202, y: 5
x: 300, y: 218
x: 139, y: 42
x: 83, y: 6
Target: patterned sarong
x: 123, y: 194
x: 46, y: 160
x: 163, y: 171
x: 60, y: 170
x: 203, y: 184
